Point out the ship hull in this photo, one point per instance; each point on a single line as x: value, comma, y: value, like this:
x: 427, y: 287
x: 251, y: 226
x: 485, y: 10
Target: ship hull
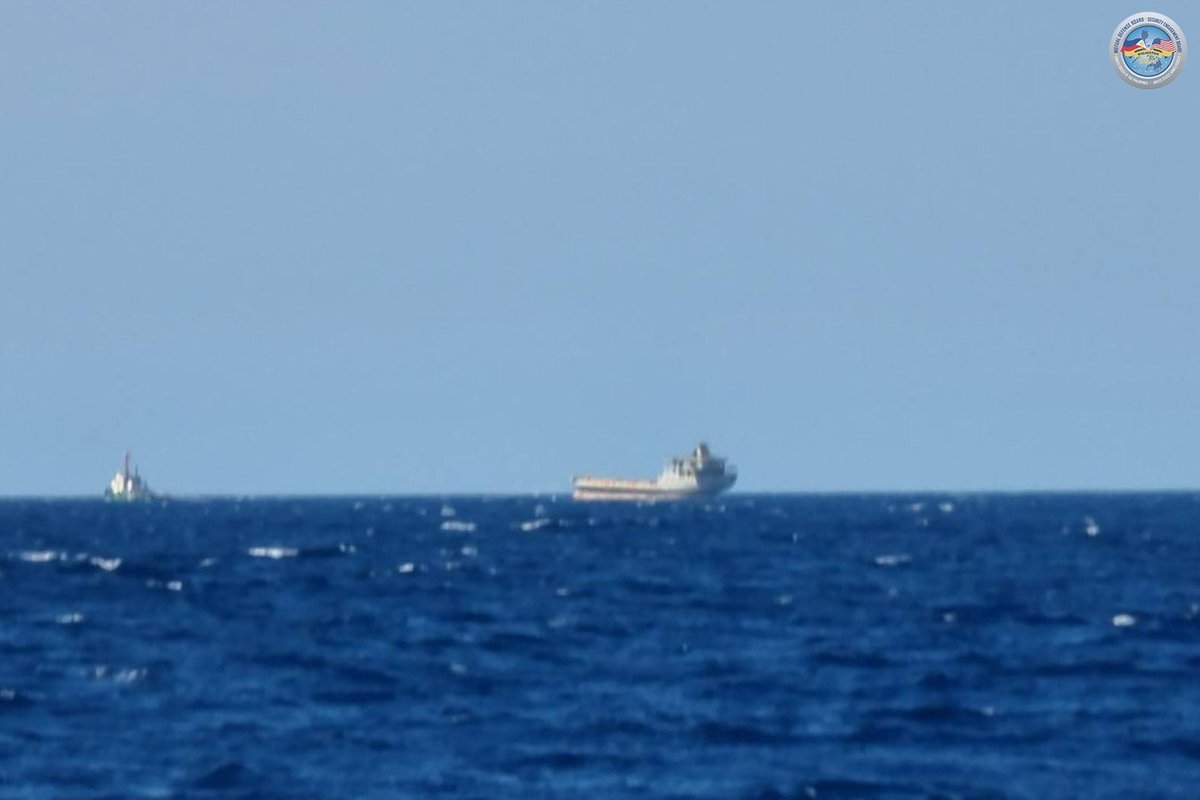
x: 127, y: 497
x: 612, y: 489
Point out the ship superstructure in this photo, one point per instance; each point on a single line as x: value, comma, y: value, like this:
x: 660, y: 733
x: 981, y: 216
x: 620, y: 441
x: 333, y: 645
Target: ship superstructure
x: 128, y: 485
x: 699, y: 475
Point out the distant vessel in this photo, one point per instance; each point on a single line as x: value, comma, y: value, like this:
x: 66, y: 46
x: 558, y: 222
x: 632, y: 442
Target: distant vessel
x: 699, y: 475
x: 127, y: 486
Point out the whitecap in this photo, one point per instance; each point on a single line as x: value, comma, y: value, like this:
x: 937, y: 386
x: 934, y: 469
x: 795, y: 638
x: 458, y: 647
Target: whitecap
x: 457, y: 525
x: 1090, y: 527
x: 106, y: 564
x: 448, y: 510
x: 470, y: 551
x: 273, y: 552
x: 103, y: 672
x: 946, y: 507
x: 1124, y: 621
x: 535, y: 524
x: 892, y: 559
x: 406, y: 567
x: 73, y: 618
x: 41, y: 556
x: 175, y: 586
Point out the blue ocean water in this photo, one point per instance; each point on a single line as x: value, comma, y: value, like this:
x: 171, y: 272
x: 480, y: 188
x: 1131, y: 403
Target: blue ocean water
x: 1021, y: 646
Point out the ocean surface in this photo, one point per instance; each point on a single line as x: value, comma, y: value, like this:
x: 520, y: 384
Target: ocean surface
x: 771, y: 646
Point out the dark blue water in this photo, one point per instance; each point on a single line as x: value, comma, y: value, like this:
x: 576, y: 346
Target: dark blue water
x: 763, y: 647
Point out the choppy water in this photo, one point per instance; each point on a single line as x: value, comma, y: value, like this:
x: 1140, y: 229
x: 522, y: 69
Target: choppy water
x: 763, y: 647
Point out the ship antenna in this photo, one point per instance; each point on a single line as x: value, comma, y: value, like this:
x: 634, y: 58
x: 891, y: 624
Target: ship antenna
x: 126, y: 462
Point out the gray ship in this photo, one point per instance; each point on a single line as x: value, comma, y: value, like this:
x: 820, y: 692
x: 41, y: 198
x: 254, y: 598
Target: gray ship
x: 127, y: 486
x: 699, y: 475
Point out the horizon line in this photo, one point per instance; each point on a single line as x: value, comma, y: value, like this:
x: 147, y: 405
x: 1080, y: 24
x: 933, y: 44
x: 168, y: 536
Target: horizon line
x: 566, y: 494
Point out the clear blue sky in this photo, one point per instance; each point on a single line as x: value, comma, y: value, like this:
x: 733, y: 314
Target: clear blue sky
x: 429, y: 247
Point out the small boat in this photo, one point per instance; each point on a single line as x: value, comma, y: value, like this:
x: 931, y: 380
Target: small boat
x: 699, y: 475
x: 127, y: 486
